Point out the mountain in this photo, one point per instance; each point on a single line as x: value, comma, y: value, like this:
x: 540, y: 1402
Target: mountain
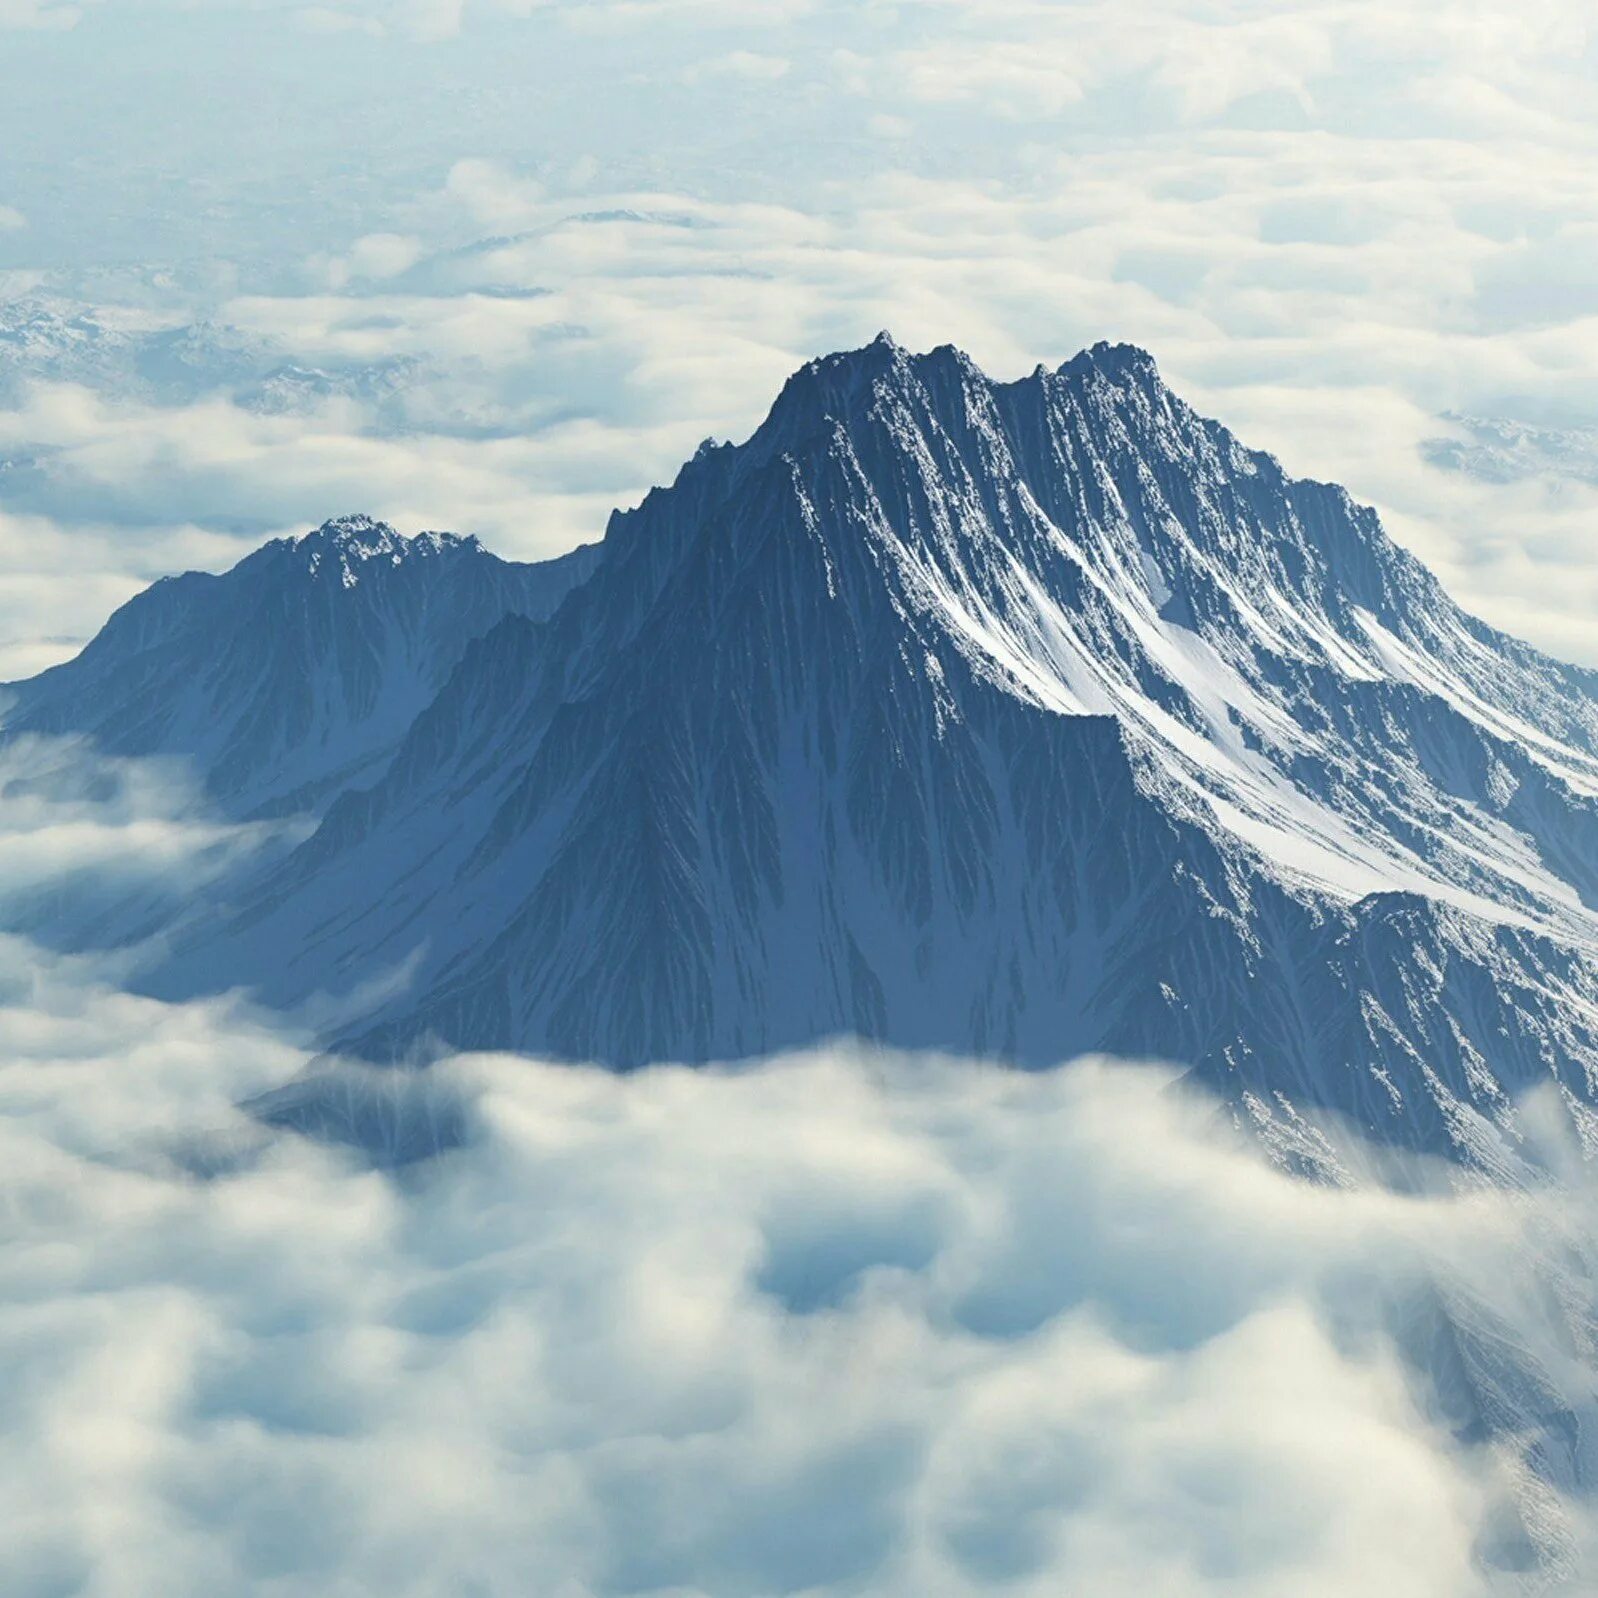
x: 149, y: 358
x: 298, y: 671
x: 1504, y: 450
x: 1023, y: 719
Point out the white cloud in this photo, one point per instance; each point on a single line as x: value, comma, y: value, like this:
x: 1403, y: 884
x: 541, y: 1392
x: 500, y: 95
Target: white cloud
x: 94, y: 848
x: 373, y: 258
x: 62, y: 581
x: 1012, y: 79
x: 491, y: 195
x: 571, y: 362
x: 70, y: 810
x: 1330, y: 225
x: 748, y: 65
x: 839, y: 1324
x: 38, y: 14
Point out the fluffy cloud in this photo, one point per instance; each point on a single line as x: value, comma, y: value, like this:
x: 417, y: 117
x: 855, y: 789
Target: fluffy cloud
x: 573, y: 357
x: 62, y: 579
x: 372, y: 258
x: 841, y: 1323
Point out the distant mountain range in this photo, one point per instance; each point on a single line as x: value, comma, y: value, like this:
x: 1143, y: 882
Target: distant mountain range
x: 1018, y: 719
x: 154, y: 360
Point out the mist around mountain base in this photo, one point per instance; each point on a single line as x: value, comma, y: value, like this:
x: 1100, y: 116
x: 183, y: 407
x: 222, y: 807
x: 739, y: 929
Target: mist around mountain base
x: 840, y: 1322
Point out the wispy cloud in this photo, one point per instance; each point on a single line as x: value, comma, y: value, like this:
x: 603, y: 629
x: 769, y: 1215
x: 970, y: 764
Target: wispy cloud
x: 95, y: 850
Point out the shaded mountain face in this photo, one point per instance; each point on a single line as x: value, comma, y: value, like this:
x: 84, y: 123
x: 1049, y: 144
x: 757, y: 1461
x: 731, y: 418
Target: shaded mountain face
x: 297, y: 672
x: 1017, y: 719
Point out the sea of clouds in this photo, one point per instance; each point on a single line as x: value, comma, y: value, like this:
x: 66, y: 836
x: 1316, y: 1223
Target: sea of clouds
x: 834, y: 1324
x: 844, y: 1322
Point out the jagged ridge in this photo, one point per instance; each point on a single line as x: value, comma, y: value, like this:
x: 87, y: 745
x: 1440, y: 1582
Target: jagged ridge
x: 295, y: 673
x: 1020, y: 718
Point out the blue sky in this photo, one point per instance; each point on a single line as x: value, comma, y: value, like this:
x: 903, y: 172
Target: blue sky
x: 543, y: 249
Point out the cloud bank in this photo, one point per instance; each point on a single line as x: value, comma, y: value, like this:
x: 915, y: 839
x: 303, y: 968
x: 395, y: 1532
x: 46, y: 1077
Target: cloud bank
x: 843, y: 1323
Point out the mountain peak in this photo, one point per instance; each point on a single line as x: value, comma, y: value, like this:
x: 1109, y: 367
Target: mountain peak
x: 352, y: 541
x: 350, y: 526
x: 1116, y: 361
x: 296, y: 671
x: 840, y: 385
x: 883, y: 354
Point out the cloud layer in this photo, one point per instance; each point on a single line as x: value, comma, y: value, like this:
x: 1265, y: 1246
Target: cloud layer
x: 844, y: 1323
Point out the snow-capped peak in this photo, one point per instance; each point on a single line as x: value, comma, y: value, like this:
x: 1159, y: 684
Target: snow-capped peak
x: 347, y: 543
x: 297, y: 669
x: 1121, y: 360
x: 1027, y: 717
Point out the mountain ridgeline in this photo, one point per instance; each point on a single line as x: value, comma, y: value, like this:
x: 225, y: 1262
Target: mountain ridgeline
x: 296, y: 673
x: 1014, y: 719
